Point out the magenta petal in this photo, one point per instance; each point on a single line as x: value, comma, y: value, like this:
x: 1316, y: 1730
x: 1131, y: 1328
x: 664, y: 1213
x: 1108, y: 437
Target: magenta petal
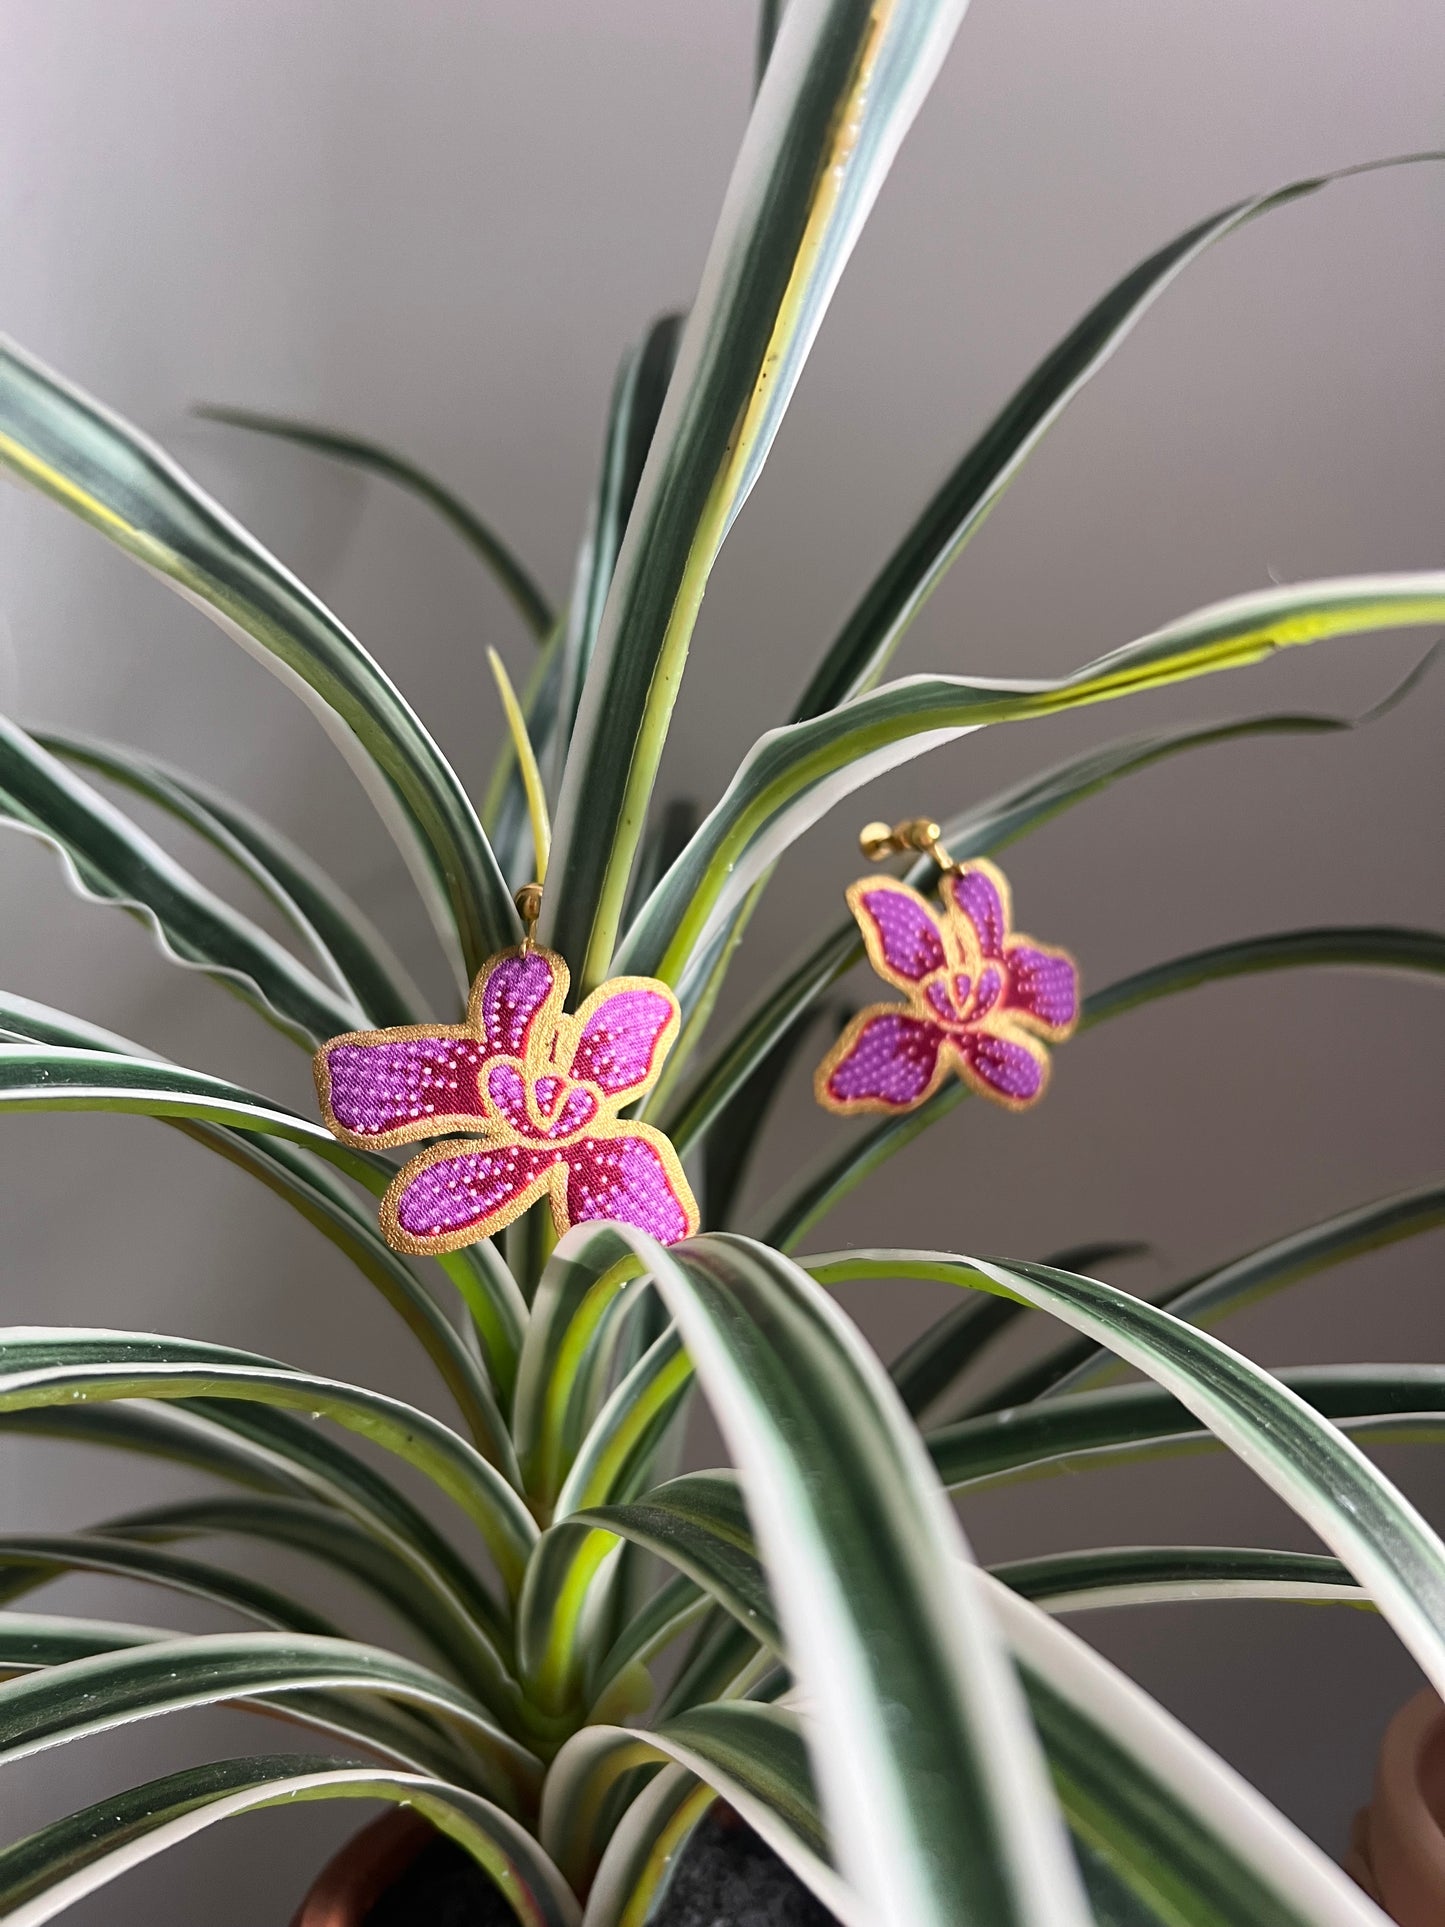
x: 887, y: 1059
x: 978, y: 897
x: 575, y: 1112
x: 470, y: 1191
x: 415, y: 1084
x: 904, y: 935
x: 618, y: 1046
x: 515, y: 989
x: 1043, y: 985
x: 507, y: 1088
x: 1007, y: 1068
x: 625, y: 1178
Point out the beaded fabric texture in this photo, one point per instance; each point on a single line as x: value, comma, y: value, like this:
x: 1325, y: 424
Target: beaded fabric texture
x: 980, y: 999
x: 543, y: 1090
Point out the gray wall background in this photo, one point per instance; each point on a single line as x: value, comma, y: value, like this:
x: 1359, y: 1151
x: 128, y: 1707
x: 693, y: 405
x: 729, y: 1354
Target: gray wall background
x: 438, y: 223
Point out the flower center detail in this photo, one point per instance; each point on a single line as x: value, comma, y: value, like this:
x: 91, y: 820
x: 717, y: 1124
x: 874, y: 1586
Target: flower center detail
x: 551, y: 1108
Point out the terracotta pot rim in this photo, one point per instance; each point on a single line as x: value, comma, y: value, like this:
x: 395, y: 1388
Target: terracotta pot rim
x: 355, y: 1878
x: 1403, y: 1837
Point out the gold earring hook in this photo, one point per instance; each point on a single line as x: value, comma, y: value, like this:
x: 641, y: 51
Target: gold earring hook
x: 877, y: 841
x: 529, y: 907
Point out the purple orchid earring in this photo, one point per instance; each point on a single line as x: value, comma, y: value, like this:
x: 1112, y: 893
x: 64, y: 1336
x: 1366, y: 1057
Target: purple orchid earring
x: 982, y: 1000
x: 539, y: 1092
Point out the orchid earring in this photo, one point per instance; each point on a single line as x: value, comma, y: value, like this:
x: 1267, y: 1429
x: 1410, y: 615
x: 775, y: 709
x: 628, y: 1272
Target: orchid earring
x: 983, y: 1002
x: 539, y: 1092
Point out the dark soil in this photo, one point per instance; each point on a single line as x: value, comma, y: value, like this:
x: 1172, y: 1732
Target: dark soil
x: 443, y: 1887
x: 726, y: 1877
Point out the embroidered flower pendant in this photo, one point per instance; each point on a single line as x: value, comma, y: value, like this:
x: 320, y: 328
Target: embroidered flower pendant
x: 539, y: 1091
x: 980, y: 998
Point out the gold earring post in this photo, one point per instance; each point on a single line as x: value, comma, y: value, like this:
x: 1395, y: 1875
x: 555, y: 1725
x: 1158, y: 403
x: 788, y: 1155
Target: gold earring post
x: 878, y: 841
x: 529, y: 907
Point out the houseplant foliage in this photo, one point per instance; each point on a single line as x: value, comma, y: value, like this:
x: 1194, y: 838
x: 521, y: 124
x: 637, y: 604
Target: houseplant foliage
x: 594, y: 1650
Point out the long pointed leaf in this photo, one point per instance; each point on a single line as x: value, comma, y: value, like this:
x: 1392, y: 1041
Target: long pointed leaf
x: 1372, y: 1403
x: 40, y: 1367
x: 110, y: 860
x: 71, y: 449
x: 274, y: 1452
x: 842, y: 87
x: 1273, y: 1267
x: 308, y: 1185
x: 943, y: 1816
x: 751, y: 1754
x: 637, y: 400
x: 64, y: 1863
x: 927, y: 1368
x: 1327, y: 1480
x: 31, y: 1560
x: 1181, y: 1830
x: 340, y: 1542
x: 351, y: 950
x: 84, y: 1697
x: 981, y: 830
x: 794, y: 775
x: 937, y: 538
x: 359, y: 452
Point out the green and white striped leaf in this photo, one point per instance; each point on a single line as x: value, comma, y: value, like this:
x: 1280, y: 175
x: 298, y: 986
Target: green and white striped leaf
x: 981, y: 830
x: 64, y: 1863
x: 794, y: 775
x: 30, y: 1640
x: 936, y: 540
x: 274, y: 1452
x: 79, y: 1698
x: 940, y: 1813
x: 1319, y: 1473
x: 699, y: 1525
x: 110, y: 860
x: 752, y: 1755
x: 51, y: 1367
x: 1177, y: 1828
x: 50, y: 1079
x: 341, y: 1543
x: 1375, y: 1404
x: 1211, y: 1295
x: 925, y: 1370
x: 403, y: 1734
x: 31, y: 1560
x: 637, y: 399
x: 1181, y: 1831
x: 68, y: 447
x: 842, y: 88
x: 644, y: 1846
x: 308, y: 1185
x: 1364, y: 948
x: 1111, y: 1576
x: 353, y: 953
x: 360, y: 452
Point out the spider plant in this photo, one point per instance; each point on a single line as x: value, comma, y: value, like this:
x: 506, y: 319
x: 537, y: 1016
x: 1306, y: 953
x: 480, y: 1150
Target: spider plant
x: 592, y: 1650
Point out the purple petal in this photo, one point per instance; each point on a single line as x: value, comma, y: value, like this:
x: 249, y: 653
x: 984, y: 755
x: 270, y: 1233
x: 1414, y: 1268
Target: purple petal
x: 621, y: 1045
x: 442, y: 1200
x: 576, y: 1111
x: 507, y: 1088
x: 900, y: 931
x: 1043, y: 987
x: 980, y: 893
x: 509, y: 995
x: 1011, y: 1070
x: 886, y: 1060
x: 634, y: 1177
x: 400, y: 1087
